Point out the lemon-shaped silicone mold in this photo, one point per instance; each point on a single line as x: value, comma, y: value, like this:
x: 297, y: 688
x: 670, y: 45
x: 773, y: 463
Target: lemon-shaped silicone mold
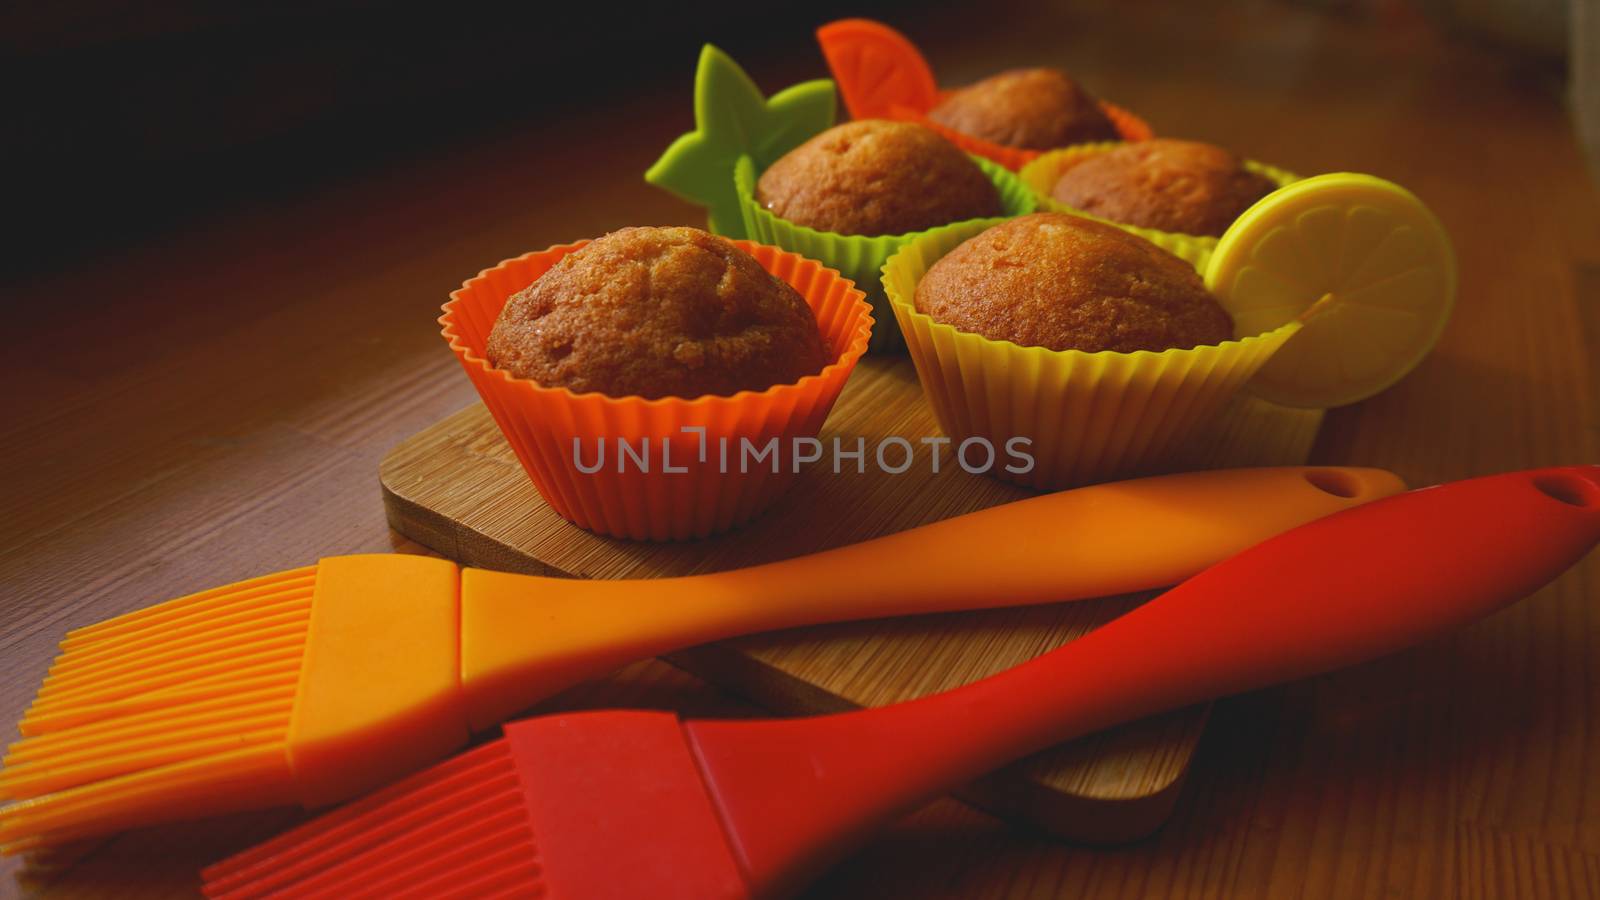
x: 1373, y: 255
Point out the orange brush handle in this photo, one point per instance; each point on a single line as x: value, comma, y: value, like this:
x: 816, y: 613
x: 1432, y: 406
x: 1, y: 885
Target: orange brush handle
x: 524, y: 638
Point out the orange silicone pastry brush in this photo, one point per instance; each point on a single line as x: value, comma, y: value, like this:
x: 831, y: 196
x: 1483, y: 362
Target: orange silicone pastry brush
x: 315, y: 685
x: 638, y: 804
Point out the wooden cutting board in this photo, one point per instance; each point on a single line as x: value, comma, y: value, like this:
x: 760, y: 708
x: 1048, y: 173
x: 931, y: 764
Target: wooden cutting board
x: 457, y: 488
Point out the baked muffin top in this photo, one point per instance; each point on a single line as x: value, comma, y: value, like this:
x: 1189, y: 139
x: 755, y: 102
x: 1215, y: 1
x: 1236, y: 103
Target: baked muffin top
x: 1035, y: 109
x: 876, y: 177
x: 658, y: 312
x: 1065, y: 282
x: 1170, y: 185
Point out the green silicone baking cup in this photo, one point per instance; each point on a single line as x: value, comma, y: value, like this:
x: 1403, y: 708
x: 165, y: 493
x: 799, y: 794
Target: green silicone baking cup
x: 860, y: 257
x: 1041, y: 175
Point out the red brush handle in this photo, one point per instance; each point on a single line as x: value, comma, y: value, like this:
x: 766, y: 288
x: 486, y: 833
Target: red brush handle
x: 1338, y: 591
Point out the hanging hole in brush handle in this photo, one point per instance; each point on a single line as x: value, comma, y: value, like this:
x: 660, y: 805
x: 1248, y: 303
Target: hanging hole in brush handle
x: 1334, y: 481
x: 1569, y: 488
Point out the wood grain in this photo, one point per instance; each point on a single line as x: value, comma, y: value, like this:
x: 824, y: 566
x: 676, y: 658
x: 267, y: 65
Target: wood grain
x: 212, y: 402
x: 457, y: 488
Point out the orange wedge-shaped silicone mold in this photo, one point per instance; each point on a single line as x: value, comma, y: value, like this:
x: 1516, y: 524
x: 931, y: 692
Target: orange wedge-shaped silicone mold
x: 878, y: 70
x: 882, y: 75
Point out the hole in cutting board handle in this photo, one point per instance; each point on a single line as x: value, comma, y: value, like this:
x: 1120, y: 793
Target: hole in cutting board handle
x: 1332, y: 481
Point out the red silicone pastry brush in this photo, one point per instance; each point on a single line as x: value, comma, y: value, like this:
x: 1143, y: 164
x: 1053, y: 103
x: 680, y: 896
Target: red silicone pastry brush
x: 636, y: 804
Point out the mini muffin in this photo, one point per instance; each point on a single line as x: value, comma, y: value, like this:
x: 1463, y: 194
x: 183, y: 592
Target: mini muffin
x: 658, y: 312
x: 1065, y: 282
x: 1181, y: 186
x: 1034, y: 109
x: 876, y: 177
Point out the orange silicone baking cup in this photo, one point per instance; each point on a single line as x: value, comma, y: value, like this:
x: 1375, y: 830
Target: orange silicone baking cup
x: 656, y: 480
x: 882, y: 75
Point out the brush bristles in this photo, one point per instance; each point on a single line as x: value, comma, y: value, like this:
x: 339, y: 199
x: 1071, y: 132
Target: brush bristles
x: 459, y: 829
x: 162, y: 713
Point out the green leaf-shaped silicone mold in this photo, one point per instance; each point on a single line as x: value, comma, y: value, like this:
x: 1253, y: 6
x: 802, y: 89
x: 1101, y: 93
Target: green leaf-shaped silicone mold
x: 733, y: 119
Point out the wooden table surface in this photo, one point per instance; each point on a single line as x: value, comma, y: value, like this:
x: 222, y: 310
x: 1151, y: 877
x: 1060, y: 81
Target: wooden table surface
x: 211, y: 403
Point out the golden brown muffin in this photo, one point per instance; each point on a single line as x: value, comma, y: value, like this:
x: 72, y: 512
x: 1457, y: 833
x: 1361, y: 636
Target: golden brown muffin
x: 1182, y: 186
x: 1035, y: 109
x: 876, y: 177
x: 658, y: 312
x: 1069, y: 283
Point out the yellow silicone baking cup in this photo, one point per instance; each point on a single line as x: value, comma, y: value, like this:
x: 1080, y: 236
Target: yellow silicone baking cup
x: 1088, y: 416
x: 858, y: 257
x: 691, y: 489
x: 1042, y: 173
